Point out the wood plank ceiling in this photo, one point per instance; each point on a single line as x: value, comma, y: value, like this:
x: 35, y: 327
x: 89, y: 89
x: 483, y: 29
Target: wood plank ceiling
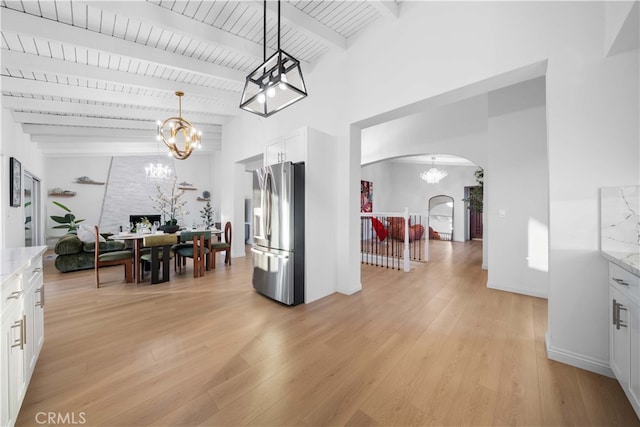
x: 92, y: 77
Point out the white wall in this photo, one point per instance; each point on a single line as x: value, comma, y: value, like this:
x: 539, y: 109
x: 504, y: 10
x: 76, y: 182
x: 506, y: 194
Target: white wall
x: 15, y: 143
x: 200, y: 170
x: 454, y: 128
x: 621, y: 26
x: 517, y: 209
x: 439, y: 52
x: 87, y: 204
x: 397, y: 185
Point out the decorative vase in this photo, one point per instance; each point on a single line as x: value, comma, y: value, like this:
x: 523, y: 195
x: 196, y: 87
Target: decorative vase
x: 169, y: 229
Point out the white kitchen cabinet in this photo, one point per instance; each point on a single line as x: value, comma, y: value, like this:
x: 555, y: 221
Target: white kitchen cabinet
x: 34, y: 309
x: 634, y: 367
x: 624, y: 336
x: 619, y: 343
x: 22, y: 325
x: 288, y: 148
x: 13, y: 336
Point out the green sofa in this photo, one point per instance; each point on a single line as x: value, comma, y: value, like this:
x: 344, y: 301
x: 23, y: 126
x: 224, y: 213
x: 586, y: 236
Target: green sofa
x: 74, y: 255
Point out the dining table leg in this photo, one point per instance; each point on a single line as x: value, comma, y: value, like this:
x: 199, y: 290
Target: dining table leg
x: 136, y: 255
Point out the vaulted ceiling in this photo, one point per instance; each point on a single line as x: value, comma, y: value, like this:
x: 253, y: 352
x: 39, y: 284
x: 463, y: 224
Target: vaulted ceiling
x: 92, y: 77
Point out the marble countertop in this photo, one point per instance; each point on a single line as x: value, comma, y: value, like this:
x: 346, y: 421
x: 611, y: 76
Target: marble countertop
x: 14, y: 259
x: 629, y: 261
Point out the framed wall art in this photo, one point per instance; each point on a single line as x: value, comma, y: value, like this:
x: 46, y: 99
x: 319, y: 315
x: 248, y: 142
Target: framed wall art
x: 366, y: 196
x: 15, y: 182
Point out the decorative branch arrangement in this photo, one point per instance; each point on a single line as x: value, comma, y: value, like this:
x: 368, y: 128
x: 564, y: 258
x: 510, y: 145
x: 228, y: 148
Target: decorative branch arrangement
x: 170, y: 204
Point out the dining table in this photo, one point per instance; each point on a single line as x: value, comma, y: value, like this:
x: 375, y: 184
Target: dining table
x: 137, y: 239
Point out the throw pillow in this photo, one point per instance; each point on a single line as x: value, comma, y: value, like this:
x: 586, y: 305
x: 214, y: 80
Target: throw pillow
x: 87, y: 234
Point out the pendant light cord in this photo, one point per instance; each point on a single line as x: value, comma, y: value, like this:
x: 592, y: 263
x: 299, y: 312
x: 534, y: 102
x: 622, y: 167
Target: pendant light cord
x: 264, y: 29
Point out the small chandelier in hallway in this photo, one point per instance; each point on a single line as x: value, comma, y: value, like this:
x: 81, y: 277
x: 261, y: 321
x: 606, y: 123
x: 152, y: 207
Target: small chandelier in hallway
x: 433, y: 175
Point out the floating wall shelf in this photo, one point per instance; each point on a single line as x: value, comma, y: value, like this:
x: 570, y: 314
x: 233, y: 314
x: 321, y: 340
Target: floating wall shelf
x: 58, y: 192
x: 87, y: 180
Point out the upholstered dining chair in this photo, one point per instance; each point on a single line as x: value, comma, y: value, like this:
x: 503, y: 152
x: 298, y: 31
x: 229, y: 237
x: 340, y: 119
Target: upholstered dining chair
x: 198, y: 249
x: 159, y: 252
x: 223, y: 246
x: 112, y: 258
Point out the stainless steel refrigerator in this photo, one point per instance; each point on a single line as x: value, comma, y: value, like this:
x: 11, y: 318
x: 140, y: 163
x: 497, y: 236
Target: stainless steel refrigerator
x: 278, y: 232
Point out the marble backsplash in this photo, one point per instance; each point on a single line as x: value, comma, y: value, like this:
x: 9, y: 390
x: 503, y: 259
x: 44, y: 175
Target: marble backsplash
x: 620, y: 223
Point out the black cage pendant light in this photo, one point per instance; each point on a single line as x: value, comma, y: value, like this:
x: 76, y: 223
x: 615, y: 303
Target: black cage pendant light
x: 275, y: 84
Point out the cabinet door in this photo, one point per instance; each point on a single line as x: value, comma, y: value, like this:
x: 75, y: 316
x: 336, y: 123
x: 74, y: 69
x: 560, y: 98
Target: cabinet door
x: 273, y: 153
x: 34, y: 325
x: 294, y: 147
x: 619, y: 345
x: 13, y: 335
x: 634, y: 368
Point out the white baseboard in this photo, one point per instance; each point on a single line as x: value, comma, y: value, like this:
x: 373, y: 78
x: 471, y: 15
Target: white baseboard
x: 530, y: 292
x: 578, y: 360
x: 350, y: 291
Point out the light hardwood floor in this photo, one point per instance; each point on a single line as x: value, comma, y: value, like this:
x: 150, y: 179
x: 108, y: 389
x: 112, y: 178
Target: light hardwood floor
x: 429, y: 347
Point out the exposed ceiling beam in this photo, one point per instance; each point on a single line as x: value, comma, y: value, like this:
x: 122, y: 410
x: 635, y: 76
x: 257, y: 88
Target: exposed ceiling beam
x: 388, y: 9
x: 59, y: 146
x: 62, y: 107
x: 60, y: 120
x: 69, y: 143
x: 95, y: 122
x: 180, y: 24
x: 114, y: 134
x: 303, y: 23
x: 146, y: 134
x: 36, y: 87
x: 23, y: 23
x: 27, y: 62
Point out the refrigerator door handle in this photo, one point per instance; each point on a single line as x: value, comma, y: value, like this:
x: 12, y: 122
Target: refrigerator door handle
x: 270, y: 254
x: 268, y: 187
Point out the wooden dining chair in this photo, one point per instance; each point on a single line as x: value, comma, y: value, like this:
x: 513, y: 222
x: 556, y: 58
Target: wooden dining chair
x: 112, y: 258
x: 198, y: 249
x: 223, y: 246
x: 159, y: 252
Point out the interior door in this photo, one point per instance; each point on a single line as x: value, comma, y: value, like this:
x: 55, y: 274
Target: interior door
x: 475, y: 224
x: 475, y: 217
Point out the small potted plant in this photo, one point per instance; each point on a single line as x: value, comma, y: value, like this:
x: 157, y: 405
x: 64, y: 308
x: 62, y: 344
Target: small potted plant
x: 207, y: 215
